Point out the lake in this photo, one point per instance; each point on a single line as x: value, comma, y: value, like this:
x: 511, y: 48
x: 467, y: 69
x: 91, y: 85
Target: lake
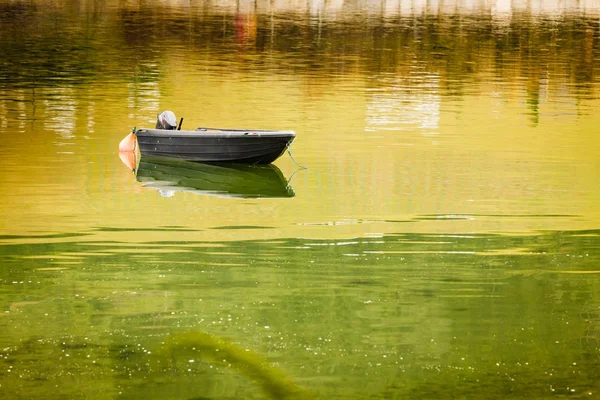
x: 434, y: 232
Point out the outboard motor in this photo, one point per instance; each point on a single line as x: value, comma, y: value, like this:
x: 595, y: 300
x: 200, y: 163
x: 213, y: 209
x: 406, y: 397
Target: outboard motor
x: 166, y: 120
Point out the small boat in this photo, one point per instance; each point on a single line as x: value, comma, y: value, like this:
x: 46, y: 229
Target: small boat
x: 245, y: 146
x: 169, y: 175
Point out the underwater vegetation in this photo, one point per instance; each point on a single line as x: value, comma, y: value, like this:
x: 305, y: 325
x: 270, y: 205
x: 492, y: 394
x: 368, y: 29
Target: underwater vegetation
x: 273, y: 381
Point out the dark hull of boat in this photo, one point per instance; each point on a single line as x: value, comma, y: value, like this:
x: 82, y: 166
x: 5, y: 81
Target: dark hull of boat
x: 170, y: 175
x: 215, y: 145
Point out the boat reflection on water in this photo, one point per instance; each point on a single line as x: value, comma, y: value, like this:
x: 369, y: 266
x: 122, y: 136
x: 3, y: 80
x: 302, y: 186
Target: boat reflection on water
x: 225, y: 180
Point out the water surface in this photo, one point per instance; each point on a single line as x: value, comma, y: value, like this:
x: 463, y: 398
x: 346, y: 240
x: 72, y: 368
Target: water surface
x: 442, y: 242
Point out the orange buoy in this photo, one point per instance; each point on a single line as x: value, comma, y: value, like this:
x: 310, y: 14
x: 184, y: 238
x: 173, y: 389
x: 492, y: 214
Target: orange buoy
x: 129, y: 159
x: 128, y: 151
x: 128, y: 144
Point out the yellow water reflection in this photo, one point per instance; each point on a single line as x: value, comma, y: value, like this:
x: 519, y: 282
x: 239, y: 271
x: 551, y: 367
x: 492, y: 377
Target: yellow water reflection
x: 402, y: 123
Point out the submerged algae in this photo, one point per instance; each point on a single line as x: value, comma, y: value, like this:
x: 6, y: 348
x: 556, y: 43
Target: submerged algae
x: 274, y: 382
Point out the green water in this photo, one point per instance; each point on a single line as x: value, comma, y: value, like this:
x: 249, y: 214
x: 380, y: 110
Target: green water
x: 443, y: 241
x: 400, y: 316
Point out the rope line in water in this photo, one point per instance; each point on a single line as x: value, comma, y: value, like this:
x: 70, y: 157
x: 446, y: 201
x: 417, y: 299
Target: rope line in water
x: 301, y: 167
x: 290, y: 153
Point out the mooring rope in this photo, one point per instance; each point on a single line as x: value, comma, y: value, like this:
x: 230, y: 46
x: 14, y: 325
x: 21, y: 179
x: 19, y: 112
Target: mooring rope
x: 290, y: 153
x: 301, y: 167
